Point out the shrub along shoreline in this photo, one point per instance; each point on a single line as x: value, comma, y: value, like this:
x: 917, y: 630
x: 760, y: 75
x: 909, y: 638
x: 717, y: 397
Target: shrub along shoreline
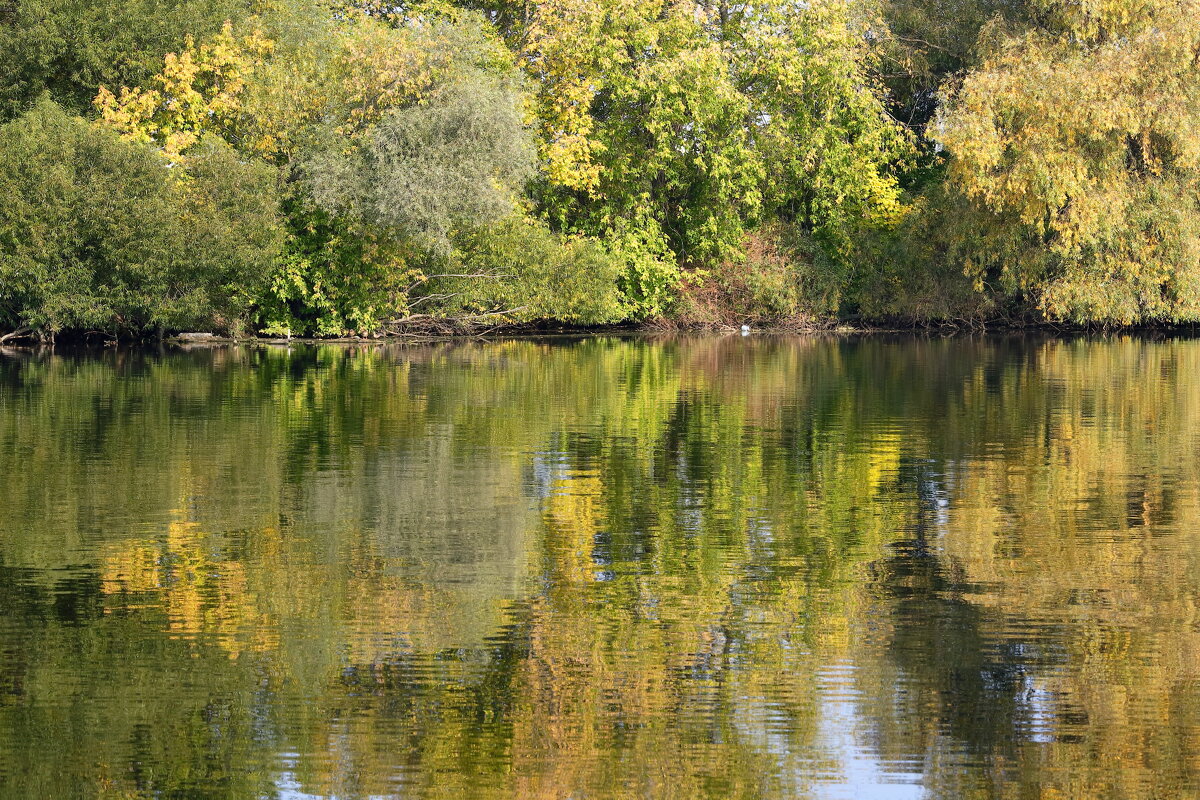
x: 28, y: 340
x: 365, y: 168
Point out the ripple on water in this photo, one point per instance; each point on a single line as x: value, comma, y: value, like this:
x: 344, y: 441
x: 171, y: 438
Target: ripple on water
x: 616, y: 567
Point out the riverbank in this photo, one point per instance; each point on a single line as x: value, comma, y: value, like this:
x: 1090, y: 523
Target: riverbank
x: 28, y: 339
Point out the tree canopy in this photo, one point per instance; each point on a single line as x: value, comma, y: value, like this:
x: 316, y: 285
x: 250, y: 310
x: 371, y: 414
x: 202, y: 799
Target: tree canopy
x: 100, y: 234
x: 1084, y: 133
x: 923, y: 159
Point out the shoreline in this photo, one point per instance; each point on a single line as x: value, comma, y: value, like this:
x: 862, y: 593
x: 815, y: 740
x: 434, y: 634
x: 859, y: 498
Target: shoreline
x: 27, y: 341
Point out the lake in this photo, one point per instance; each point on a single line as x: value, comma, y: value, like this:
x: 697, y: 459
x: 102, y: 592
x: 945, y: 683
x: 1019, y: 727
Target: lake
x: 610, y: 567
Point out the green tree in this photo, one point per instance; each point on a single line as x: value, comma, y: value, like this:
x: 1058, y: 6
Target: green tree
x: 929, y: 42
x: 336, y: 276
x: 70, y: 48
x: 100, y: 234
x: 392, y: 136
x: 517, y: 269
x: 676, y: 129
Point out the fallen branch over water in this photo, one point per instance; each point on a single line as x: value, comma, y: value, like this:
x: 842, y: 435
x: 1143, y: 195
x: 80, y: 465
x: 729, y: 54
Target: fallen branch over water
x: 430, y: 325
x: 19, y: 333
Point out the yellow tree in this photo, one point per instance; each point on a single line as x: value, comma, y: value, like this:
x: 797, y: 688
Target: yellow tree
x: 199, y: 90
x: 1082, y: 139
x: 674, y: 128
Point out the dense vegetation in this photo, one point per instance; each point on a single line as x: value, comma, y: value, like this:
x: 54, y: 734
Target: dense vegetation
x: 354, y: 167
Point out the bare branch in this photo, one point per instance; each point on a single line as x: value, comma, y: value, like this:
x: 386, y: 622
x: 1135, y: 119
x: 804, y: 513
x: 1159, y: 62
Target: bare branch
x: 19, y: 333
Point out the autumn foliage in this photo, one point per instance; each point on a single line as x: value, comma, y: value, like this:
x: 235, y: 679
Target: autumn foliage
x: 894, y: 158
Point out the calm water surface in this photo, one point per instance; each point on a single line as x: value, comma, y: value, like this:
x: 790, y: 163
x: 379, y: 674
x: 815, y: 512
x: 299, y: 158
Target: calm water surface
x: 605, y: 568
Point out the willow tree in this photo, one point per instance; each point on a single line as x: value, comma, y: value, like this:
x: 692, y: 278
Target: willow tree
x: 1079, y: 139
x: 427, y: 169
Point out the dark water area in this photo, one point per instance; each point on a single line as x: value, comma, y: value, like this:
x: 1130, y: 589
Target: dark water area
x: 603, y: 568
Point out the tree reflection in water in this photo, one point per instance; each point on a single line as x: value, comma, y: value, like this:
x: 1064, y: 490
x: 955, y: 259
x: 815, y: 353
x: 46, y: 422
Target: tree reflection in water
x: 711, y: 567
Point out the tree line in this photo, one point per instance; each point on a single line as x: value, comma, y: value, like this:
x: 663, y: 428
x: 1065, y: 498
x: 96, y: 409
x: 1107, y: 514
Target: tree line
x: 360, y: 167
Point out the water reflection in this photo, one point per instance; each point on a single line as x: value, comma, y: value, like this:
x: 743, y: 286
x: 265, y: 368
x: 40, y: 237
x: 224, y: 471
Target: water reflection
x: 713, y: 567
